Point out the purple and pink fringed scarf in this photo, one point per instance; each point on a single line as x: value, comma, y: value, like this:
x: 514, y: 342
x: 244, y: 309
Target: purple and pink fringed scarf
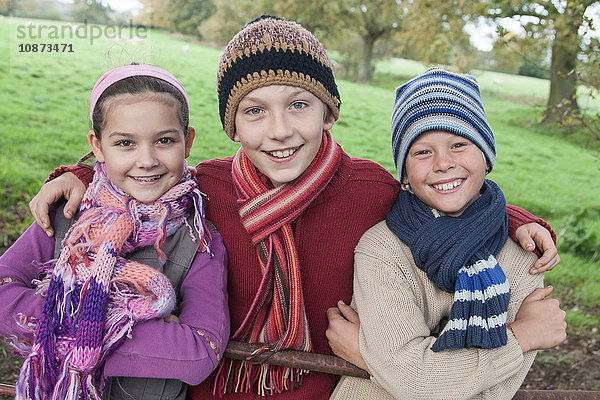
x: 94, y: 295
x: 277, y: 317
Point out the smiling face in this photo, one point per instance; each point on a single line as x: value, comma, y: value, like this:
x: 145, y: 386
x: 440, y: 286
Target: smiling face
x: 445, y: 171
x: 143, y: 146
x: 280, y: 129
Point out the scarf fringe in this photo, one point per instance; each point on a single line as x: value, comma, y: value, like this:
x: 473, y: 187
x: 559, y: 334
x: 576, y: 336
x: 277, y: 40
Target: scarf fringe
x: 19, y: 345
x: 71, y: 383
x: 75, y: 385
x: 263, y: 379
x: 200, y: 223
x: 30, y: 385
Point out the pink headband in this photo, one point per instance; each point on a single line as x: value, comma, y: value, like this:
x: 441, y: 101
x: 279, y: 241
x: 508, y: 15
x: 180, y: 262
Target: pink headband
x: 120, y: 73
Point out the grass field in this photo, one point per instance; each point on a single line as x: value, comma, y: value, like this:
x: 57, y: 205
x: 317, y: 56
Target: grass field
x: 44, y: 100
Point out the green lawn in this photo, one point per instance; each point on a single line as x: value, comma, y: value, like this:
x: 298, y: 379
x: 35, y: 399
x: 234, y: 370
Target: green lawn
x: 44, y: 100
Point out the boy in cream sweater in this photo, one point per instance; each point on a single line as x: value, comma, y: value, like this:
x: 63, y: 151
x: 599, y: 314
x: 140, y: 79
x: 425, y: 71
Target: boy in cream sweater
x: 441, y: 261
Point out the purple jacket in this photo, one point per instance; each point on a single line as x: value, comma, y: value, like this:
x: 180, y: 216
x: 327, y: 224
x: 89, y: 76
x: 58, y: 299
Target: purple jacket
x: 189, y: 351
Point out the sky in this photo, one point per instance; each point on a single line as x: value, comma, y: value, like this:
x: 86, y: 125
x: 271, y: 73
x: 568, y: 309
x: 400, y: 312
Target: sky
x: 118, y: 5
x: 124, y: 5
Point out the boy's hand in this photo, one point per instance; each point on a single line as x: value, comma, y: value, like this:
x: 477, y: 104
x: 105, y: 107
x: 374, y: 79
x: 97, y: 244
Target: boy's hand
x: 540, y: 323
x: 342, y: 334
x: 67, y: 185
x: 532, y: 234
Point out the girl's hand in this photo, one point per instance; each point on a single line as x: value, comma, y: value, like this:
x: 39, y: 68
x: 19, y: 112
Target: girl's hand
x: 540, y: 323
x: 67, y: 185
x: 342, y: 334
x: 532, y: 234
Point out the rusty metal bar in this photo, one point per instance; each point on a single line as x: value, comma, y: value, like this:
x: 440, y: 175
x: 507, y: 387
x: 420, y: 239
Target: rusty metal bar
x: 295, y: 359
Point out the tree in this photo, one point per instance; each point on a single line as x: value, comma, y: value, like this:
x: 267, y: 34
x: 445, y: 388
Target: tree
x: 560, y: 23
x: 92, y: 11
x: 223, y: 24
x: 318, y: 16
x: 178, y: 15
x: 333, y: 22
x: 551, y: 27
x: 155, y: 13
x: 371, y: 20
x: 24, y: 8
x: 434, y: 33
x: 186, y: 16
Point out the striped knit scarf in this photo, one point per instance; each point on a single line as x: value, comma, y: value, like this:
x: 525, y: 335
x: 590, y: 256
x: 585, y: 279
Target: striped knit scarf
x: 458, y: 255
x: 94, y: 296
x: 277, y: 317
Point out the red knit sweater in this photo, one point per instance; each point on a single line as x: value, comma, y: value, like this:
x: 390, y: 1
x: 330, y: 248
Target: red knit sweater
x: 359, y: 196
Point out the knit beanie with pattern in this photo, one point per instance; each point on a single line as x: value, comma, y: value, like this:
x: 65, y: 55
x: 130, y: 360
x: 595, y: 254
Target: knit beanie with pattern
x: 439, y: 100
x: 273, y: 51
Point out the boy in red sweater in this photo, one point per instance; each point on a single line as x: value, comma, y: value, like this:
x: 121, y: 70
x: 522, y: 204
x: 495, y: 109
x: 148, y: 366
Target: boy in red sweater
x: 290, y: 205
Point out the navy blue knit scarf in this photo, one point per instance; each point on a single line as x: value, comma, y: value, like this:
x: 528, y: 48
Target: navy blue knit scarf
x: 458, y: 255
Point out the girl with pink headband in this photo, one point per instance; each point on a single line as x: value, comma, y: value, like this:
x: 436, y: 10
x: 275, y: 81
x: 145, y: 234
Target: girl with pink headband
x: 112, y: 303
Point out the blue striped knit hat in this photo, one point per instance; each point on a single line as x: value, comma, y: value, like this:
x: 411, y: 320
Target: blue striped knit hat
x: 439, y: 100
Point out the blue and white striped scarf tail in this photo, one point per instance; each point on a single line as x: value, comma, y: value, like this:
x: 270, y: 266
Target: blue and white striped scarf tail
x: 478, y: 315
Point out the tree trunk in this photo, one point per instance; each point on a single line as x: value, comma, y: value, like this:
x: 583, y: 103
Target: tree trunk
x: 365, y: 73
x: 563, y: 80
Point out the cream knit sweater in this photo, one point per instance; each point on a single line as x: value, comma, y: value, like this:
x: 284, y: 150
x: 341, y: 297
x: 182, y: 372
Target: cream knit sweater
x: 399, y: 307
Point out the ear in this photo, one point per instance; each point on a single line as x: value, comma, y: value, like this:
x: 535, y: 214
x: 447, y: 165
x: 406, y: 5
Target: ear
x: 236, y: 137
x: 189, y: 140
x: 328, y: 123
x: 404, y: 179
x: 95, y: 146
x: 488, y: 168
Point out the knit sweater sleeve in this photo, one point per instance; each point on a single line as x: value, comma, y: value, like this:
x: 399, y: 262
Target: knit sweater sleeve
x: 398, y: 308
x: 189, y: 351
x: 85, y: 174
x: 19, y: 265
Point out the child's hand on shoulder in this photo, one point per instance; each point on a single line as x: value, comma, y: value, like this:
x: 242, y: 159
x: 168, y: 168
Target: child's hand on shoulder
x: 533, y: 234
x: 67, y: 185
